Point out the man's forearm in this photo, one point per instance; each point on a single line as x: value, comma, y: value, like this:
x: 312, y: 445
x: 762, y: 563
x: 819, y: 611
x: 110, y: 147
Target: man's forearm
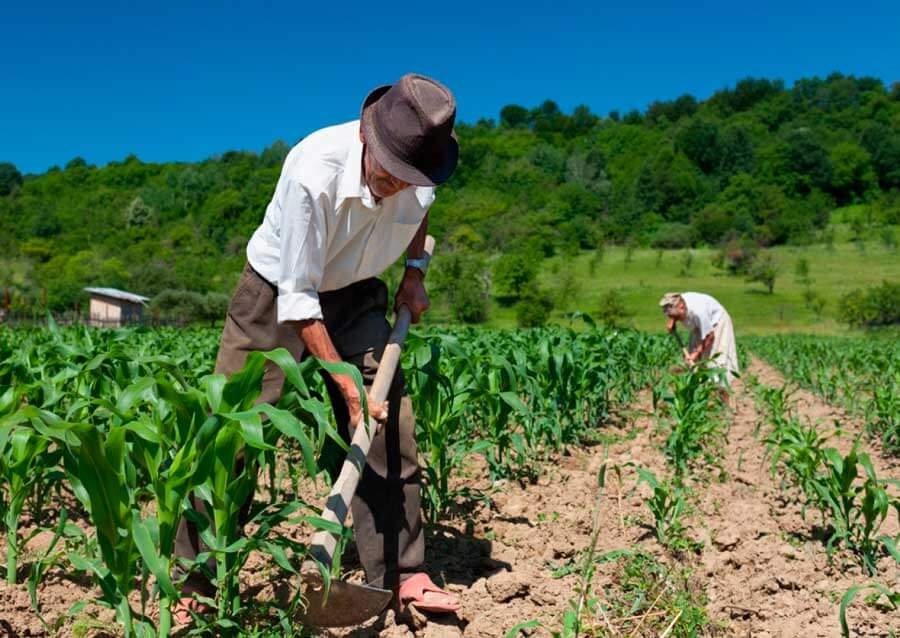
x: 705, y: 344
x: 416, y: 248
x: 315, y: 337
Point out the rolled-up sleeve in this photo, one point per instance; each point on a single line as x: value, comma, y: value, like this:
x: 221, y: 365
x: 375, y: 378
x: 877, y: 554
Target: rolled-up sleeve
x: 302, y: 262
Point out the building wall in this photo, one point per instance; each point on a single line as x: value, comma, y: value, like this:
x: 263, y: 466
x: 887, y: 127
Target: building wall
x: 106, y: 312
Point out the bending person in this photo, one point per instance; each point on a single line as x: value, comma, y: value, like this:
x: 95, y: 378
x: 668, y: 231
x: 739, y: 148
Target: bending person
x: 710, y: 327
x: 350, y: 200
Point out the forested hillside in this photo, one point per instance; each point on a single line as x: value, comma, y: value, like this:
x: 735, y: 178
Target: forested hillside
x: 759, y: 161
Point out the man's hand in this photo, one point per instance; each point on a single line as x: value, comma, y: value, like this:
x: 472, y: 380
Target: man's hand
x: 315, y: 336
x: 670, y: 324
x: 411, y: 293
x: 378, y: 411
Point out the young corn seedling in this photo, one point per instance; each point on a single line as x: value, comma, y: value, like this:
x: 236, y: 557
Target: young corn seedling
x: 667, y: 503
x: 695, y: 426
x: 800, y: 450
x: 856, y: 509
x: 891, y: 598
x: 441, y: 402
x: 26, y: 461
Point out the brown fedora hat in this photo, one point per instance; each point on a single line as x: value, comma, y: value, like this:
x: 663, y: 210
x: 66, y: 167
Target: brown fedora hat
x: 409, y: 128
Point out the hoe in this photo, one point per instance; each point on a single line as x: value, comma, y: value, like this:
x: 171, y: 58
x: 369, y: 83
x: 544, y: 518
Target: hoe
x: 342, y: 603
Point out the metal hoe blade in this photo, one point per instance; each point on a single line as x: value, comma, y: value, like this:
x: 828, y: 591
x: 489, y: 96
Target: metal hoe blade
x: 346, y: 604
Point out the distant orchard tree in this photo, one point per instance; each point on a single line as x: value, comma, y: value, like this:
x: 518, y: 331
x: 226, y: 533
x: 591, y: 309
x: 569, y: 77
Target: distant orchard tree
x: 763, y: 270
x: 10, y: 178
x: 612, y: 310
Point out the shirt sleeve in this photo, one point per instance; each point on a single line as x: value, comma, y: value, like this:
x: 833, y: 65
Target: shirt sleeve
x: 704, y: 320
x: 302, y: 254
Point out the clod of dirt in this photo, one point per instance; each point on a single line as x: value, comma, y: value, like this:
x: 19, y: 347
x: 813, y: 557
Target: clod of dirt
x: 726, y: 540
x: 442, y: 628
x: 505, y: 586
x: 788, y: 581
x: 393, y: 629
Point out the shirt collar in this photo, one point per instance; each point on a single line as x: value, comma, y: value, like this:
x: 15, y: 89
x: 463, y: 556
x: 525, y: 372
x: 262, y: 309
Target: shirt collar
x: 353, y: 185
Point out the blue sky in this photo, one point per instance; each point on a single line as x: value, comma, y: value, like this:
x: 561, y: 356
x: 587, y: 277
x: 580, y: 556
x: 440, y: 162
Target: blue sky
x: 172, y: 82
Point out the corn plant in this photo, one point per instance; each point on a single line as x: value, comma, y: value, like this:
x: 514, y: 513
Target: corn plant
x: 695, y: 426
x: 856, y: 509
x: 667, y: 503
x: 891, y: 597
x: 799, y: 449
x: 27, y: 462
x: 440, y: 401
x: 499, y: 409
x: 861, y: 375
x: 883, y: 413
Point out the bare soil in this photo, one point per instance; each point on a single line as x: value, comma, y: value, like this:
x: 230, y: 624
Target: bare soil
x: 764, y: 568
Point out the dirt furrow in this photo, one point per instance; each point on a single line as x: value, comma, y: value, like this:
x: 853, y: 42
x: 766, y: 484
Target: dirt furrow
x: 766, y: 568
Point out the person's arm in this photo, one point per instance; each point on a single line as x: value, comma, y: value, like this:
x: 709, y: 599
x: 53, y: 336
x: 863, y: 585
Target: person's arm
x: 315, y: 337
x: 300, y: 274
x: 411, y: 291
x: 704, y: 345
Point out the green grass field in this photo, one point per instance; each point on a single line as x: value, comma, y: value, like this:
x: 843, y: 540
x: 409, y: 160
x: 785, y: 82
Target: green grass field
x: 833, y: 270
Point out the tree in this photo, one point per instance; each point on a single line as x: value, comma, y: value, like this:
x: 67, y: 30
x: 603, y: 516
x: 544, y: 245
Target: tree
x: 274, y: 155
x: 515, y: 116
x: 883, y: 144
x: 878, y: 306
x: 461, y: 281
x: 763, y: 270
x: 76, y: 162
x: 736, y: 151
x: 183, y: 306
x: 548, y: 118
x: 806, y: 160
x: 512, y: 274
x: 852, y: 175
x: 10, y: 178
x: 801, y: 270
x: 534, y: 308
x: 612, y: 310
x: 699, y: 141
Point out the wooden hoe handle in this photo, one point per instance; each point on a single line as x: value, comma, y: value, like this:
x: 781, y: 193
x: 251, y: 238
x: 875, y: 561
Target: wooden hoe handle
x: 338, y: 503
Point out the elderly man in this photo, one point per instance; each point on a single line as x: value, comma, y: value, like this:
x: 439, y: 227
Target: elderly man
x: 710, y: 327
x: 351, y: 198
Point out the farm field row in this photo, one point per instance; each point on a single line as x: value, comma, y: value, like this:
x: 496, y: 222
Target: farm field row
x: 573, y: 486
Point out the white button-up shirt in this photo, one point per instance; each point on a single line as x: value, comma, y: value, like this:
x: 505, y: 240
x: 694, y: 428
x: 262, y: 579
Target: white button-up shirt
x: 323, y: 229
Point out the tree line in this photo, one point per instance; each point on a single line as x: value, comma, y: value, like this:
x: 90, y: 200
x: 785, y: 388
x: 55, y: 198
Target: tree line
x: 759, y: 163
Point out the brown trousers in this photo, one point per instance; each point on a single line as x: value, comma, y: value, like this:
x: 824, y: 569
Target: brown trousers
x: 386, y: 510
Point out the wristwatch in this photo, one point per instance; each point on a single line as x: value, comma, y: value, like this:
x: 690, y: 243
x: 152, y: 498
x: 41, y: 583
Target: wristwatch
x: 421, y: 263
